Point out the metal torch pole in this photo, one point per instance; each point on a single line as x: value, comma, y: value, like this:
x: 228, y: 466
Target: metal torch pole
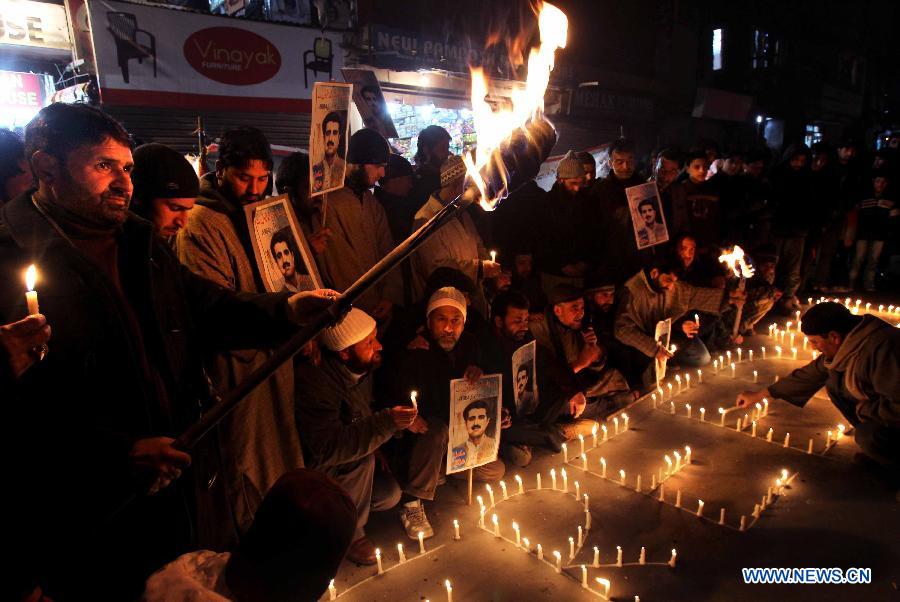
x: 189, y: 438
x: 740, y: 310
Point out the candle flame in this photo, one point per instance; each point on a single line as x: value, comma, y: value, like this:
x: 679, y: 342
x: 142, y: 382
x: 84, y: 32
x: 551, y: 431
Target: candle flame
x: 736, y: 263
x: 494, y: 128
x: 30, y: 277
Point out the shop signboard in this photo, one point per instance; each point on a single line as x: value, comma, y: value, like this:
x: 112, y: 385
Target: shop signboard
x: 22, y: 95
x: 33, y: 25
x: 162, y: 57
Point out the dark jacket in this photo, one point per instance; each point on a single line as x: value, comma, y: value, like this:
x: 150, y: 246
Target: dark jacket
x: 612, y: 246
x: 93, y: 396
x: 696, y: 209
x: 793, y: 197
x: 334, y: 415
x: 564, y: 233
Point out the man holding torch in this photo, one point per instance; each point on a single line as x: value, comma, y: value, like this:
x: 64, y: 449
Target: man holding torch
x: 97, y: 415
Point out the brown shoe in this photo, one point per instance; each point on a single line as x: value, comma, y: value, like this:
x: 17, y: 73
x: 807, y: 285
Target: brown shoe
x: 362, y: 551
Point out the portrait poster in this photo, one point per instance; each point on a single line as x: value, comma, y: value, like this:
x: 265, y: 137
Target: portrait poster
x: 662, y: 334
x: 328, y: 134
x: 370, y: 101
x: 647, y: 218
x: 283, y: 257
x: 524, y: 372
x: 474, y: 422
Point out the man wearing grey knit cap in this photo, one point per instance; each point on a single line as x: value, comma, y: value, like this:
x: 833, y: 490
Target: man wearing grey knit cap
x: 341, y: 433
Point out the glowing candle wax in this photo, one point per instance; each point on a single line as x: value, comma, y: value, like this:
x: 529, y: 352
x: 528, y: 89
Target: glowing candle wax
x: 503, y: 489
x: 642, y: 558
x: 455, y: 529
x: 618, y: 555
x: 421, y: 542
x: 515, y: 527
x: 449, y: 590
x: 558, y: 557
x: 672, y: 558
x: 496, y: 522
x: 603, y: 467
x: 521, y: 486
x: 400, y: 552
x: 31, y: 298
x: 378, y: 560
x: 702, y: 414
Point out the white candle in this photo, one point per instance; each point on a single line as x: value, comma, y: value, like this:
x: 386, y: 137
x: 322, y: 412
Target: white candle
x: 769, y: 435
x: 738, y: 425
x: 565, y: 479
x: 791, y: 342
x: 622, y: 476
x: 481, y: 518
x: 755, y: 510
x: 677, y: 460
x: 678, y: 498
x: 678, y: 380
x: 616, y: 425
x: 31, y: 298
x: 577, y: 490
x: 400, y: 552
x: 805, y: 343
x: 605, y: 432
x: 765, y: 407
x: 449, y: 590
x: 755, y: 376
x: 583, y: 462
x: 764, y: 352
x: 809, y: 448
x: 728, y: 355
x: 757, y: 414
x: 787, y: 440
x: 421, y: 542
x: 496, y: 522
x: 668, y: 386
x: 378, y: 560
x: 553, y: 478
x: 702, y: 414
x: 565, y: 451
x: 503, y: 489
x: 587, y: 520
x: 700, y: 376
x: 753, y: 429
x: 490, y: 491
x: 654, y: 400
x: 840, y: 429
x: 580, y: 536
x: 687, y: 380
x: 637, y: 486
x: 699, y: 508
x: 618, y: 555
x: 652, y: 482
x: 332, y: 591
x: 455, y: 529
x: 539, y: 480
x: 743, y: 523
x: 697, y: 319
x: 642, y: 559
x: 688, y: 406
x: 625, y: 420
x: 868, y: 305
x: 716, y: 366
x: 787, y: 326
x: 594, y: 433
x: 604, y: 583
x: 558, y: 557
x: 515, y: 527
x: 540, y: 552
x: 480, y: 500
x: 687, y: 454
x: 584, y: 582
x: 521, y: 486
x: 722, y: 516
x: 739, y: 352
x: 596, y: 557
x: 494, y: 256
x: 603, y: 467
x: 672, y: 558
x: 581, y: 440
x: 662, y: 492
x: 732, y: 370
x: 794, y: 352
x: 668, y: 464
x: 721, y: 416
x: 672, y: 408
x: 751, y: 355
x: 778, y: 350
x: 526, y: 545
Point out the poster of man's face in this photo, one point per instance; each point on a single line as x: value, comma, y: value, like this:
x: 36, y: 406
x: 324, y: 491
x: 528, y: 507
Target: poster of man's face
x: 474, y: 423
x: 328, y: 137
x: 648, y: 221
x: 524, y: 385
x: 370, y: 101
x: 283, y: 258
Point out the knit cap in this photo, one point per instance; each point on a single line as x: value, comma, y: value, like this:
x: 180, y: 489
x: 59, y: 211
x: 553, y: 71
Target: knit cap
x: 447, y: 297
x: 570, y: 166
x: 353, y: 328
x: 452, y: 169
x: 161, y: 172
x: 368, y: 147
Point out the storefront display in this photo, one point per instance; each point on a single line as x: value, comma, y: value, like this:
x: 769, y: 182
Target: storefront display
x: 411, y: 119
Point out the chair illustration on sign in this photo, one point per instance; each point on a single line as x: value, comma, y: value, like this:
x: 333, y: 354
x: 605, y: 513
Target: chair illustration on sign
x: 322, y: 58
x: 124, y: 29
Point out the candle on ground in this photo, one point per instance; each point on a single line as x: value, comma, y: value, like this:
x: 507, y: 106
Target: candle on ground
x: 637, y: 486
x: 678, y: 380
x: 421, y: 542
x: 604, y: 583
x: 753, y: 429
x: 558, y: 557
x: 668, y: 464
x: 642, y: 559
x: 769, y: 435
x: 378, y: 560
x: 672, y: 558
x: 603, y: 467
x: 605, y: 432
x: 721, y: 416
x: 596, y: 557
x: 587, y: 520
x: 565, y: 451
x: 687, y: 380
x: 700, y: 376
x: 496, y: 522
x: 738, y: 425
x: 677, y: 460
x: 751, y: 355
x: 449, y: 590
x: 787, y: 440
x: 515, y: 527
x: 654, y: 400
x: 688, y: 406
x: 490, y: 491
x: 755, y: 510
x: 794, y: 352
x: 755, y: 376
x: 584, y: 461
x: 699, y: 508
x: 503, y: 489
x: 625, y: 421
x: 455, y: 529
x: 332, y: 591
x: 662, y: 492
x: 716, y: 366
x: 481, y: 518
x: 764, y: 352
x: 553, y: 478
x: 565, y: 479
x: 722, y: 516
x: 538, y: 480
x: 765, y: 407
x: 594, y: 433
x: 31, y: 298
x: 728, y: 355
x: 584, y: 582
x: 672, y: 408
x: 733, y: 375
x: 526, y: 545
x: 618, y: 555
x: 581, y: 440
x: 809, y: 448
x: 702, y: 414
x: 577, y: 490
x: 494, y: 256
x: 668, y: 386
x: 400, y: 552
x: 540, y: 552
x: 622, y: 476
x: 687, y: 454
x: 616, y: 425
x: 778, y: 350
x: 678, y: 498
x: 580, y: 536
x: 739, y: 352
x: 743, y: 523
x: 521, y: 486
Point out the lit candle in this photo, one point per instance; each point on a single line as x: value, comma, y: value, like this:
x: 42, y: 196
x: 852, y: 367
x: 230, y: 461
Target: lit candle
x: 809, y: 448
x: 755, y: 376
x: 678, y: 498
x: 494, y: 256
x: 841, y: 430
x: 565, y: 451
x: 558, y: 557
x: 805, y: 342
x: 521, y: 486
x: 515, y: 527
x: 757, y: 414
x: 581, y: 440
x: 716, y: 366
x: 31, y: 298
x: 625, y: 420
x: 765, y: 407
x: 794, y: 351
x: 526, y: 545
x: 332, y: 591
x: 769, y: 435
x: 751, y: 355
x: 743, y: 523
x: 565, y: 479
x: 721, y: 416
x: 604, y: 583
x: 728, y: 355
x: 687, y: 454
x: 400, y: 552
x: 678, y: 380
x: 605, y: 432
x: 699, y: 508
x: 654, y: 400
x: 421, y: 542
x: 732, y: 370
x: 596, y: 557
x: 490, y: 491
x: 587, y: 520
x: 791, y: 342
x: 378, y: 560
x: 702, y: 414
x: 662, y: 492
x: 480, y: 500
x: 414, y: 398
x: 697, y: 319
x: 586, y: 504
x: 687, y: 380
x: 764, y: 352
x: 602, y: 467
x: 739, y: 352
x: 787, y: 326
x: 738, y: 425
x: 668, y: 386
x: 583, y: 462
x: 584, y: 582
x: 668, y: 464
x: 449, y: 590
x: 673, y: 349
x: 577, y: 490
x: 700, y: 376
x: 753, y: 429
x: 616, y: 425
x: 787, y: 440
x: 622, y: 476
x: 642, y: 559
x: 637, y: 486
x: 778, y: 350
x: 481, y: 518
x: 455, y: 529
x: 618, y: 555
x: 503, y: 489
x: 677, y: 460
x: 868, y: 305
x: 688, y: 406
x: 672, y: 558
x: 540, y: 552
x: 755, y: 510
x: 496, y: 522
x: 722, y: 516
x: 672, y: 408
x: 594, y: 431
x: 553, y: 478
x: 538, y: 481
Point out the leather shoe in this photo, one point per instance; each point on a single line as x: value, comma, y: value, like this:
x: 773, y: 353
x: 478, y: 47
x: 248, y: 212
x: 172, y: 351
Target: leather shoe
x: 362, y: 551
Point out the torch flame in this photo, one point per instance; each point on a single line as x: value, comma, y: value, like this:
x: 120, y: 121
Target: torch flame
x: 736, y: 263
x: 30, y: 277
x: 492, y: 127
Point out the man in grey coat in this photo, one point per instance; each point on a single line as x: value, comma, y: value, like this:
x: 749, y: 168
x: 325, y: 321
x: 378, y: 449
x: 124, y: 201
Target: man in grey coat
x: 859, y: 367
x: 340, y: 432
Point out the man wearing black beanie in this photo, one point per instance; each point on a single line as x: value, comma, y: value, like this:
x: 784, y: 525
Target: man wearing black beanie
x: 859, y: 366
x: 165, y: 187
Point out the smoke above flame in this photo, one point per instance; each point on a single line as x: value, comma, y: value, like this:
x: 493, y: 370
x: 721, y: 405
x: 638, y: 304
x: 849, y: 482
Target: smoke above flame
x: 495, y: 127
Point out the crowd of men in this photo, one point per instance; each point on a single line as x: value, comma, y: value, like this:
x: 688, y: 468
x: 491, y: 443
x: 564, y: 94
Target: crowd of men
x: 152, y: 306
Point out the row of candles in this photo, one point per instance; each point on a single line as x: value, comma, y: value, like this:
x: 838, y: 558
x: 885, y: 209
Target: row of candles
x: 595, y: 431
x: 855, y: 308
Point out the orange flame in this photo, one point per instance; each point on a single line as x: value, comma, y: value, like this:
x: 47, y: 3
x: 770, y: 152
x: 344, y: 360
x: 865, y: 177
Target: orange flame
x: 493, y: 128
x: 736, y: 263
x: 30, y: 277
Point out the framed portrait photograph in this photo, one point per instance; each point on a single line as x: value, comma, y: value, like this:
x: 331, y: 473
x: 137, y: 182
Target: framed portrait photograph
x: 328, y: 136
x: 474, y: 422
x: 663, y: 336
x: 647, y: 217
x: 370, y: 101
x: 525, y: 389
x: 283, y: 257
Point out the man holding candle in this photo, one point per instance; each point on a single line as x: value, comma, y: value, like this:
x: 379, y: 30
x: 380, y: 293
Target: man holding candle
x: 129, y: 326
x: 341, y: 433
x: 21, y: 346
x: 858, y: 366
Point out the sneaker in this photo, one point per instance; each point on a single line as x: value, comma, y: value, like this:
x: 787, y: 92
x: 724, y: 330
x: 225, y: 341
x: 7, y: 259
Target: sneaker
x: 414, y: 520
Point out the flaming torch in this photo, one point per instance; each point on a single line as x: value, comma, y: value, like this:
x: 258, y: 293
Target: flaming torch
x: 512, y: 144
x: 742, y: 270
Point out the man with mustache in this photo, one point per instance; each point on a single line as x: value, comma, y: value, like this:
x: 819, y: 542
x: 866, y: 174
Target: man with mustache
x: 478, y: 446
x: 284, y: 251
x: 329, y: 172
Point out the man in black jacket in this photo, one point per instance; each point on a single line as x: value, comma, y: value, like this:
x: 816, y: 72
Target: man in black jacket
x: 97, y: 416
x: 341, y: 434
